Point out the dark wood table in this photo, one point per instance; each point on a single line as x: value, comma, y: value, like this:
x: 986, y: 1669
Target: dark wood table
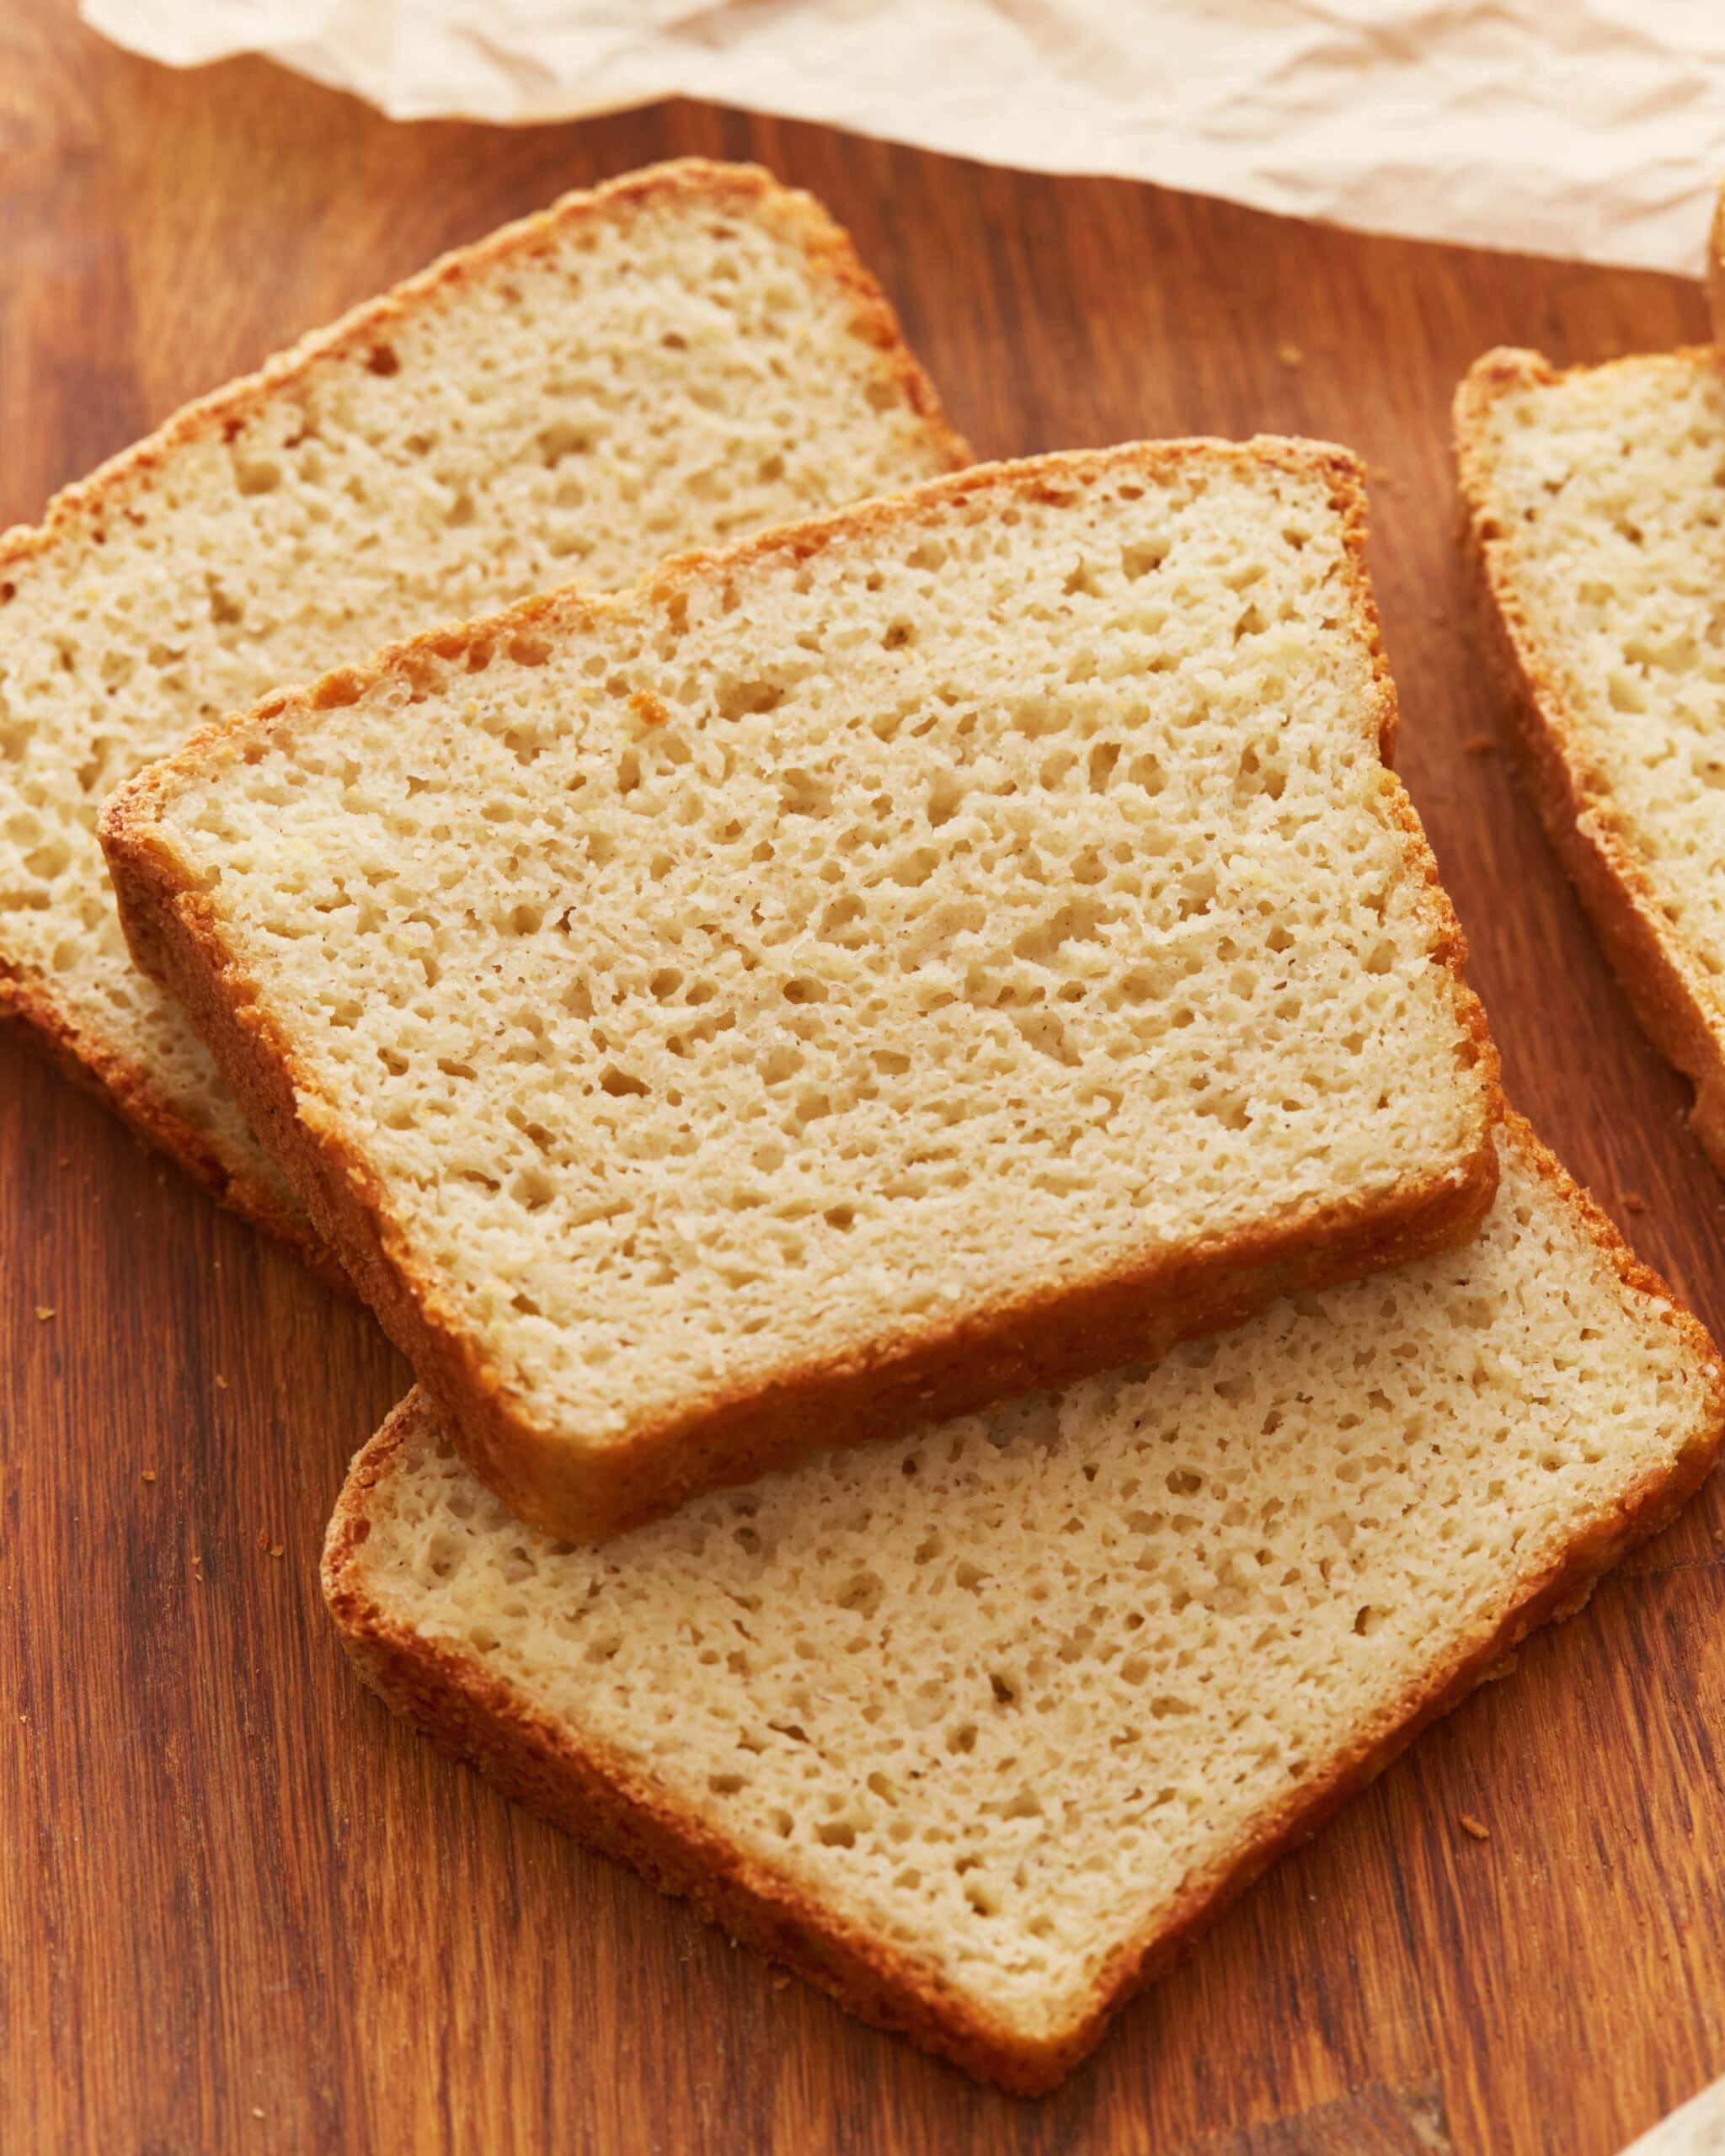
x: 239, y: 1908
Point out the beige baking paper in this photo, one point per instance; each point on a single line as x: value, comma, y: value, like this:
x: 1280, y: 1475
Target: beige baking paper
x: 1594, y: 130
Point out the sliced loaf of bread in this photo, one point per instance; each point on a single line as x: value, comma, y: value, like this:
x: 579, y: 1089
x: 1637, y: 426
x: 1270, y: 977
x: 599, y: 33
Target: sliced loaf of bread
x: 1596, y: 514
x: 904, y: 960
x: 688, y: 353
x: 977, y: 1730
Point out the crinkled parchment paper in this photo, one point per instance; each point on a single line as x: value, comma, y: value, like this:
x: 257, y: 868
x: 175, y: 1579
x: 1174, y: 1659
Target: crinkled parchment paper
x: 1588, y: 128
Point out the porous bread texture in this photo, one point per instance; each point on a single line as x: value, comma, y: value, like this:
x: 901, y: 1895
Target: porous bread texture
x: 1596, y: 502
x: 686, y: 353
x: 976, y: 1729
x: 906, y: 959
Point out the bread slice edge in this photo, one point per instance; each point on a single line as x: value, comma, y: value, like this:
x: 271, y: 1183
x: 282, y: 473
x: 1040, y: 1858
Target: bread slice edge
x: 130, y: 1093
x: 1668, y: 989
x: 587, y: 1791
x: 1715, y: 272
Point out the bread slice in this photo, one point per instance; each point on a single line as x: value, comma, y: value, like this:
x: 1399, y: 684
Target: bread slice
x: 687, y: 353
x: 906, y: 959
x: 978, y: 1730
x: 1595, y: 503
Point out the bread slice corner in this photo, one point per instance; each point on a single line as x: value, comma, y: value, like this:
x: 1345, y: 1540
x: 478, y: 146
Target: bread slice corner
x: 978, y: 1732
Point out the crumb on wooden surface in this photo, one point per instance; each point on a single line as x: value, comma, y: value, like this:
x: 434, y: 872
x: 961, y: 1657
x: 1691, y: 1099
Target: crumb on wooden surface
x: 149, y: 1475
x: 44, y: 1311
x: 276, y: 1549
x: 1290, y: 356
x: 1479, y: 745
x: 221, y: 1382
x: 1633, y: 1202
x: 1471, y: 1823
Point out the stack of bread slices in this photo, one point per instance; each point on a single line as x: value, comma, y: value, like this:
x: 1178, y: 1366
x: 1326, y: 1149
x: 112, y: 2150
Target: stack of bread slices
x: 882, y: 1034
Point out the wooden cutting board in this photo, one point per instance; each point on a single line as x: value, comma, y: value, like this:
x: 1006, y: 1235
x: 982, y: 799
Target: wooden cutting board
x: 240, y: 1910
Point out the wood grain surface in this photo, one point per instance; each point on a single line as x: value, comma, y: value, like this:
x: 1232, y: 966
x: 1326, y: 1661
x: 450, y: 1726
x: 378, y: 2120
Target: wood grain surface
x: 239, y: 1908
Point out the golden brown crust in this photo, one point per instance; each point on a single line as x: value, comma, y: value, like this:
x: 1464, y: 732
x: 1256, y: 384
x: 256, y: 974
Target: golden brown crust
x: 1668, y: 989
x: 131, y: 1093
x: 593, y: 1795
x: 59, y: 1027
x: 1715, y: 267
x: 1047, y: 1338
